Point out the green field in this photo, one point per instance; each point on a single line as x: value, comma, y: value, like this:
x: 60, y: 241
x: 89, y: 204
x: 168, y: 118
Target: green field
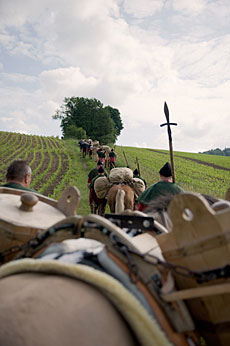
x: 57, y: 164
x: 197, y: 176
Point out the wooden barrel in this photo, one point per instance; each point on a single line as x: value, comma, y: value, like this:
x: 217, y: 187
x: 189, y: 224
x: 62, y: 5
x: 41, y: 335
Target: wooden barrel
x: 199, y: 241
x: 23, y: 214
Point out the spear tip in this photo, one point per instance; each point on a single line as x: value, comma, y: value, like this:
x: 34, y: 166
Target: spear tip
x: 166, y: 111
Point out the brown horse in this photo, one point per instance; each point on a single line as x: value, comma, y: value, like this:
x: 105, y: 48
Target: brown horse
x: 120, y: 197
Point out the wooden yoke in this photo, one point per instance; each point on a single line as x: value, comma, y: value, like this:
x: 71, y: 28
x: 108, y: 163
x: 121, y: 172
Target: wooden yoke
x: 199, y: 241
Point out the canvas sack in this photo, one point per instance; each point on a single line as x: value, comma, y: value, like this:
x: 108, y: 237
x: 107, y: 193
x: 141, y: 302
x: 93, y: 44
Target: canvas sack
x: 101, y: 187
x: 121, y: 175
x: 106, y: 148
x: 138, y: 186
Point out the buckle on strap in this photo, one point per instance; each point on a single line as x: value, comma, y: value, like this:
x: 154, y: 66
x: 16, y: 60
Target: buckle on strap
x: 133, y: 267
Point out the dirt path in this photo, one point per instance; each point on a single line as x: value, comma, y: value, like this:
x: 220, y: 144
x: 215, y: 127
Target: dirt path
x: 195, y: 160
x: 84, y: 163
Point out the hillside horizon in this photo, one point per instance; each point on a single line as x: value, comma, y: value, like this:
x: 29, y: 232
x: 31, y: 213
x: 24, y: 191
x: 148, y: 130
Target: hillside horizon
x: 58, y: 163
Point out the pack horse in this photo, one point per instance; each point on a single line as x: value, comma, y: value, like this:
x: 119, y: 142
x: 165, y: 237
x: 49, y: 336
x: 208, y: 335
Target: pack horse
x: 120, y: 197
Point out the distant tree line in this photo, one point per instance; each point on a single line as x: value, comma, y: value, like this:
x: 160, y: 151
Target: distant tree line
x: 88, y: 118
x: 217, y: 151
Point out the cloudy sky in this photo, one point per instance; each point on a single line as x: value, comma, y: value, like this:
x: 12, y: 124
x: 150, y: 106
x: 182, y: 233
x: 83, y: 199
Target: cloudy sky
x: 130, y: 54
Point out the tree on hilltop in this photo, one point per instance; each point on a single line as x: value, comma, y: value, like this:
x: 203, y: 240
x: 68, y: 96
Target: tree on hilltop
x: 72, y: 131
x: 115, y: 115
x: 99, y: 122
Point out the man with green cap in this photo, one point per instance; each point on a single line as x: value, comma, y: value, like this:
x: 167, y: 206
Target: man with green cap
x: 164, y: 187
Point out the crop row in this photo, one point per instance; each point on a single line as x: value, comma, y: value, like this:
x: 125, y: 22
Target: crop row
x: 57, y: 164
x: 47, y: 157
x: 190, y: 175
x: 216, y: 160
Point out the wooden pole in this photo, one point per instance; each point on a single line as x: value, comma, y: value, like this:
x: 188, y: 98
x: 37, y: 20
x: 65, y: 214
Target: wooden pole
x: 198, y: 292
x: 172, y: 161
x: 127, y: 164
x: 138, y: 165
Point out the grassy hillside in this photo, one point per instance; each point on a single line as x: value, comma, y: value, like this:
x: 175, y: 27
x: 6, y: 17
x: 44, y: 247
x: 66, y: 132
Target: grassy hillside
x: 57, y: 164
x: 194, y: 172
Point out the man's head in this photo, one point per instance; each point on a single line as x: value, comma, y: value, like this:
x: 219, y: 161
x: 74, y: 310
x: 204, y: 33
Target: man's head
x: 166, y: 172
x: 136, y: 172
x: 19, y: 172
x: 99, y: 164
x: 101, y: 170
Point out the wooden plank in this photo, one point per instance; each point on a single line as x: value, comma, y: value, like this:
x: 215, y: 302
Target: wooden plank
x: 197, y: 247
x: 199, y: 292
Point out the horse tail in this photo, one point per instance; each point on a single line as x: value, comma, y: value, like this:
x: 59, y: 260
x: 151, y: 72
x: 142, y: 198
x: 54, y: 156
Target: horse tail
x: 120, y: 201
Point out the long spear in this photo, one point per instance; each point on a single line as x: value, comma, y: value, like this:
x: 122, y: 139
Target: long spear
x: 125, y: 157
x: 138, y: 166
x: 166, y: 111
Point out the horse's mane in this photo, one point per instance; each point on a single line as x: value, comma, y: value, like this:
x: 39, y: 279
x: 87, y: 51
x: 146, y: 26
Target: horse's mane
x: 210, y: 199
x: 159, y: 204
x: 162, y: 202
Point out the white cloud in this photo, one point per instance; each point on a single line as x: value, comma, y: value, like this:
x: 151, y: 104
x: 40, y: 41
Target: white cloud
x: 6, y: 40
x: 206, y: 62
x: 193, y: 7
x: 142, y: 8
x: 65, y: 82
x: 175, y: 51
x: 17, y: 78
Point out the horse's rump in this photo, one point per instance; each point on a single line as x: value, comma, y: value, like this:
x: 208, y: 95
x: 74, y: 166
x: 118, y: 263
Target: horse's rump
x: 126, y: 198
x: 40, y: 309
x: 92, y: 311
